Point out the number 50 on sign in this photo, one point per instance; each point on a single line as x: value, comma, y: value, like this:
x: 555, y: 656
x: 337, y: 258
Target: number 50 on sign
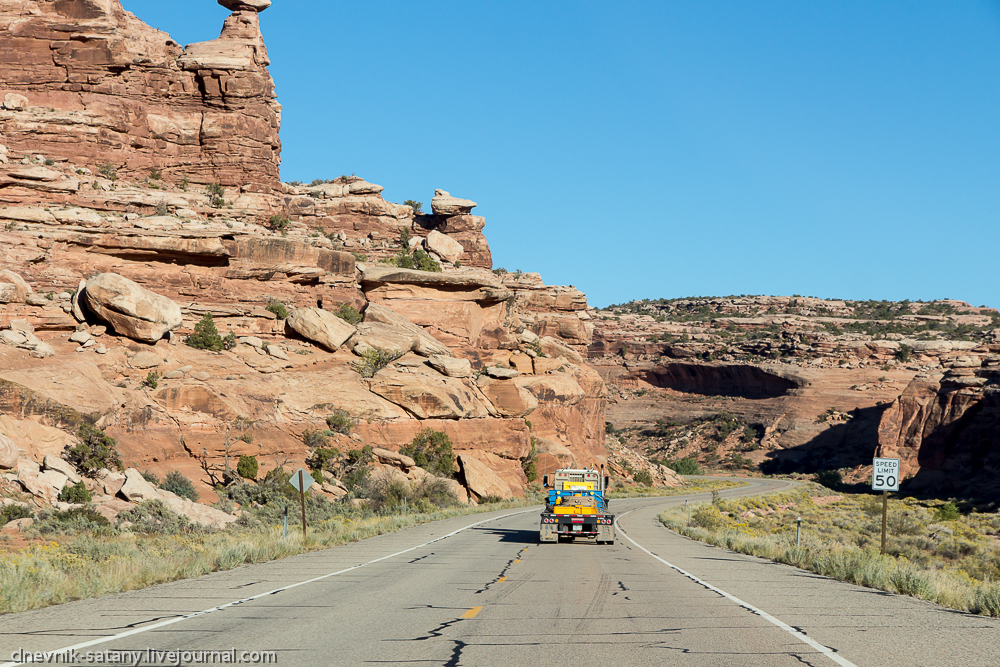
x: 885, y: 474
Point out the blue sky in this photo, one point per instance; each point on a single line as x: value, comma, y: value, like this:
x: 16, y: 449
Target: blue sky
x: 660, y: 149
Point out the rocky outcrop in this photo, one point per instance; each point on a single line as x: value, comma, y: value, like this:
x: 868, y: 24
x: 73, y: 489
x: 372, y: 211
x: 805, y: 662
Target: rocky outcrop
x: 132, y: 310
x: 88, y: 82
x: 8, y: 452
x: 320, y: 327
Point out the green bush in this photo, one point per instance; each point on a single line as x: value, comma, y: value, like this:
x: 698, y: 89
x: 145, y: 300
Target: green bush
x: 151, y: 477
x: 314, y: 438
x: 322, y: 458
x: 229, y: 341
x: 947, y: 512
x: 432, y: 451
x: 831, y: 479
x: 903, y: 353
x: 179, y: 485
x: 423, y: 262
x: 375, y: 359
x: 278, y: 223
x: 71, y: 521
x: 152, y: 516
x: 340, y: 422
x: 416, y: 205
x: 278, y: 308
x: 95, y: 451
x: 108, y: 171
x: 12, y: 512
x: 686, y: 466
x: 357, y: 481
x: 644, y: 477
x: 530, y: 463
x: 75, y: 493
x: 348, y: 313
x: 216, y: 195
x: 152, y: 379
x: 205, y: 336
x: 247, y: 467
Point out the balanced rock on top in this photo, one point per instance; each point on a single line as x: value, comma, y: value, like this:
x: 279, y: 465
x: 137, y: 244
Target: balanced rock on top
x: 444, y: 204
x: 245, y: 5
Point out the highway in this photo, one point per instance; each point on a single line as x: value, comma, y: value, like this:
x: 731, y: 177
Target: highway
x: 480, y: 590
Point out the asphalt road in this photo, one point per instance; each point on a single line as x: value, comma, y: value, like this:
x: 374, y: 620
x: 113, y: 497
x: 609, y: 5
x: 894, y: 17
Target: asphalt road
x: 489, y: 594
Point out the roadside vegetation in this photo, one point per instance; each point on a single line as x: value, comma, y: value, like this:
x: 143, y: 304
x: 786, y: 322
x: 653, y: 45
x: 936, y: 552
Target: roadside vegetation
x: 934, y: 551
x: 620, y: 490
x: 83, y: 555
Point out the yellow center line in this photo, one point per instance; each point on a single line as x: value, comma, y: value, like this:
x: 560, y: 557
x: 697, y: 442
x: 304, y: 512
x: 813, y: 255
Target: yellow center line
x: 501, y: 579
x: 471, y: 613
x: 518, y: 560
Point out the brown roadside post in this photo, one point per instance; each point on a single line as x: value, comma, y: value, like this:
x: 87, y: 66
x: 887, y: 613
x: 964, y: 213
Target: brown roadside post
x: 885, y: 478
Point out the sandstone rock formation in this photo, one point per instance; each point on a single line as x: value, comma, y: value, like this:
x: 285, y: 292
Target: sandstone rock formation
x: 133, y: 311
x: 320, y: 327
x: 88, y: 82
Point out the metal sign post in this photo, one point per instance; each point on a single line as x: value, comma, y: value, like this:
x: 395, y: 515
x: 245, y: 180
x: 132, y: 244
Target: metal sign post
x: 301, y: 481
x: 885, y: 478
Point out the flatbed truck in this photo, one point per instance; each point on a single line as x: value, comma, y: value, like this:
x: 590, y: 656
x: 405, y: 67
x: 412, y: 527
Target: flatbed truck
x: 576, y: 507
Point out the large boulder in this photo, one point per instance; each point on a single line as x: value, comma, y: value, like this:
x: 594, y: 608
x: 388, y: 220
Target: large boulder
x: 21, y: 289
x: 444, y: 204
x: 245, y: 5
x: 429, y: 395
x: 426, y: 345
x: 65, y: 467
x: 8, y: 452
x: 450, y: 366
x: 445, y: 246
x: 136, y: 488
x: 480, y: 480
x: 321, y: 327
x: 132, y: 310
x: 385, y: 336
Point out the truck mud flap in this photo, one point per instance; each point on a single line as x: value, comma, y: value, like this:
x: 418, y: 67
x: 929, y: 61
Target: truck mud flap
x: 548, y: 532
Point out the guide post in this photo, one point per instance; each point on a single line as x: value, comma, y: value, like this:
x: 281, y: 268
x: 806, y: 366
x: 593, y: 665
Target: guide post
x: 885, y: 478
x: 301, y: 481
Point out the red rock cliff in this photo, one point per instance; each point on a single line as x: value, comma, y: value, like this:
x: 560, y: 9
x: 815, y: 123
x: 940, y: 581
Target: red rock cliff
x: 87, y: 81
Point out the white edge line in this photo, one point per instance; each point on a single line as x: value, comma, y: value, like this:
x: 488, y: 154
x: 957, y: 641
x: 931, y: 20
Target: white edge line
x: 825, y: 650
x: 178, y: 619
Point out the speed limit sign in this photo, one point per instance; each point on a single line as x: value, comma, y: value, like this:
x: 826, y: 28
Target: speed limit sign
x: 885, y: 474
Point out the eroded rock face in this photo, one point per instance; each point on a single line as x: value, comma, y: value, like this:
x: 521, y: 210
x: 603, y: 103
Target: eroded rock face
x: 131, y: 309
x: 481, y: 480
x: 129, y: 96
x: 8, y: 452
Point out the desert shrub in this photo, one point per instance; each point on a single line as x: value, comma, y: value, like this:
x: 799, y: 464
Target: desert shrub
x: 644, y: 477
x: 831, y: 479
x: 150, y: 477
x: 247, y: 438
x: 340, y: 422
x: 216, y: 195
x: 423, y: 262
x: 155, y: 174
x: 436, y: 491
x: 348, y: 313
x: 947, y: 512
x: 75, y: 493
x: 13, y: 512
x: 357, y: 481
x: 490, y: 500
x: 152, y: 516
x: 278, y: 308
x: 903, y: 353
x: 160, y: 208
x: 108, y: 171
x: 686, y: 466
x: 707, y: 516
x: 278, y: 223
x: 416, y: 205
x: 184, y: 182
x: 95, y: 451
x: 375, y: 359
x: 530, y: 463
x: 179, y: 485
x: 314, y: 438
x: 68, y: 522
x: 247, y: 467
x: 152, y: 379
x: 321, y: 458
x: 432, y: 451
x: 229, y: 341
x: 205, y: 336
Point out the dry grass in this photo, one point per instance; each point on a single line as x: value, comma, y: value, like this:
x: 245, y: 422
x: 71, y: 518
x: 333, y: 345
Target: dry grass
x: 90, y: 564
x: 954, y: 563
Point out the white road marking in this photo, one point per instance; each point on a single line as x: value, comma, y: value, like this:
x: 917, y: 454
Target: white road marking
x: 825, y: 650
x: 154, y: 626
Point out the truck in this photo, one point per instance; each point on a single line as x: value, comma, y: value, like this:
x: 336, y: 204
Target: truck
x: 576, y: 507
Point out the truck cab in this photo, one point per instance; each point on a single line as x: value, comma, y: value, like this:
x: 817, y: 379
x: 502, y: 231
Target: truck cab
x: 576, y: 507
